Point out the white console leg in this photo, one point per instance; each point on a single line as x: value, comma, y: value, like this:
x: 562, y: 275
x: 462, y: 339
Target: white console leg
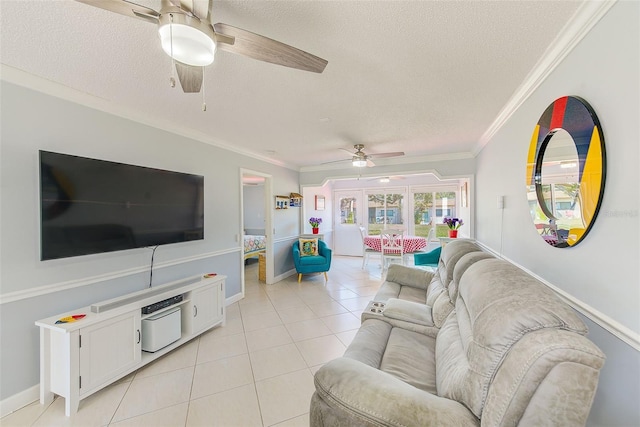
x: 46, y: 396
x: 71, y: 404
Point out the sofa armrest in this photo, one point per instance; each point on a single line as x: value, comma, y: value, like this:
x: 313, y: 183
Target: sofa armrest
x: 408, y: 311
x: 360, y: 392
x: 409, y: 276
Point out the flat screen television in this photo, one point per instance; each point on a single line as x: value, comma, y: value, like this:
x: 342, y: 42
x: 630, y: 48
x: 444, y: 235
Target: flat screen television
x: 89, y: 206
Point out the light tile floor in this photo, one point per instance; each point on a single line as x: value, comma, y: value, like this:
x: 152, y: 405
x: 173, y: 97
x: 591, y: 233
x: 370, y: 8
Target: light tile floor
x: 257, y: 370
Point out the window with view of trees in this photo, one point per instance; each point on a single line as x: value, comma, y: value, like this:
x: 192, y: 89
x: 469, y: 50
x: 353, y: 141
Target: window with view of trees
x: 430, y: 208
x: 384, y: 210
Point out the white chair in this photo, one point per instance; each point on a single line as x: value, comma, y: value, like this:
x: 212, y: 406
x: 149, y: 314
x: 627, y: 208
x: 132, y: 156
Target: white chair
x: 392, y: 244
x: 367, y: 251
x: 432, y: 241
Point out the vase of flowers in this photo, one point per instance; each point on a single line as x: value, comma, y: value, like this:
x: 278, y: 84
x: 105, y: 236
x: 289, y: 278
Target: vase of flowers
x: 315, y: 223
x: 453, y: 224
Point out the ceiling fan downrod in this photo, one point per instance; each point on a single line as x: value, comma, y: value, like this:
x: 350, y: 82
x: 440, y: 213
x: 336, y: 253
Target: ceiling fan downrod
x: 172, y: 80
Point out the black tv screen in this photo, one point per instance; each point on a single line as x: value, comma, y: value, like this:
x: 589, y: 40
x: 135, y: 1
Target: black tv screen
x: 90, y: 206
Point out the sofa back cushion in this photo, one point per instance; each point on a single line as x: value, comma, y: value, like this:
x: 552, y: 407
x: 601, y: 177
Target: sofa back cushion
x: 450, y: 255
x: 460, y: 268
x: 437, y: 295
x: 497, y: 305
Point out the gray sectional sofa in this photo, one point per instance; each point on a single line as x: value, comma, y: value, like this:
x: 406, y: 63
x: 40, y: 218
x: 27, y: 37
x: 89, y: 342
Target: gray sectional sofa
x: 496, y: 347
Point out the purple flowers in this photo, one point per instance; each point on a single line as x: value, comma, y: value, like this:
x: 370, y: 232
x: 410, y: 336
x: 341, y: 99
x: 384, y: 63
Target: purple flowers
x: 453, y: 223
x: 315, y: 222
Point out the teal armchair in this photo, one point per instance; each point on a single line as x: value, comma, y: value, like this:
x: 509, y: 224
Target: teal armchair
x: 427, y: 259
x: 320, y: 263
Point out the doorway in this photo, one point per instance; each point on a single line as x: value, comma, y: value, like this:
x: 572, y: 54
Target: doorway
x: 255, y: 220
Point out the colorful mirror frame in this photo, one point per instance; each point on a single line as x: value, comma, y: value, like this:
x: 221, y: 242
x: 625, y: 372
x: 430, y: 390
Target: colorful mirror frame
x: 563, y: 212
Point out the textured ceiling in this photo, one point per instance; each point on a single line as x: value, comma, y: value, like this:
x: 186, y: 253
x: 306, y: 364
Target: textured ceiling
x: 424, y: 77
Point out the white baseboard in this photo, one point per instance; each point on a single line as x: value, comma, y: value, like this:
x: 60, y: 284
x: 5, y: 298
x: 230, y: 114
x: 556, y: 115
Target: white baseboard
x: 233, y: 299
x: 19, y: 400
x: 284, y: 275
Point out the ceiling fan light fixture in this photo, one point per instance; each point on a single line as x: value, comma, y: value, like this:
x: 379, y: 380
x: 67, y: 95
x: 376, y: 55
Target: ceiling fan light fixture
x: 359, y: 162
x: 384, y: 180
x: 185, y: 42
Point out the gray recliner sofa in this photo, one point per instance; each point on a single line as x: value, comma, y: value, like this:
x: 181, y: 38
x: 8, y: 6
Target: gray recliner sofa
x: 509, y: 353
x: 425, y: 299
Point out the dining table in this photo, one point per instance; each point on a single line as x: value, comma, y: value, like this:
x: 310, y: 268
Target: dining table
x: 409, y: 243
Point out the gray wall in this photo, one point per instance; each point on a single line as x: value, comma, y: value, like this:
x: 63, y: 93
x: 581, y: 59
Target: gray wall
x: 602, y: 271
x: 253, y: 208
x: 32, y: 289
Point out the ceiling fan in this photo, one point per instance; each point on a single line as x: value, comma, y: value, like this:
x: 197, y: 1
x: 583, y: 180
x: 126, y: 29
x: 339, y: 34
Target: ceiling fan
x: 360, y: 159
x: 188, y: 36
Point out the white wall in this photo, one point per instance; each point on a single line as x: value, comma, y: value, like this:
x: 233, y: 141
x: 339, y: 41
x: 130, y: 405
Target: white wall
x: 602, y: 271
x: 310, y: 211
x: 31, y: 289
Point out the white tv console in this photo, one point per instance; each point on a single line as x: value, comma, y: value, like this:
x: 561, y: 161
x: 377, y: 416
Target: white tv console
x: 79, y: 358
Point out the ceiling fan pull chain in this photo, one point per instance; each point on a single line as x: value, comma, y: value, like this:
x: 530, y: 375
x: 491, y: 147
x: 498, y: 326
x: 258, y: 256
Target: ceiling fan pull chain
x: 204, y: 103
x: 172, y: 80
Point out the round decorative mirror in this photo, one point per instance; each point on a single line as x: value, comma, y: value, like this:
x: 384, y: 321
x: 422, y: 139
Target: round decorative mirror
x: 566, y: 172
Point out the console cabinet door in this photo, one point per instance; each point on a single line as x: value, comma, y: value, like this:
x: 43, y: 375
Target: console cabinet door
x: 108, y: 349
x: 206, y: 306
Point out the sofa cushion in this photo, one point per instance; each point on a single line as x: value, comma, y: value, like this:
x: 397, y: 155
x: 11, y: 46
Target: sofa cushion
x: 410, y: 356
x: 497, y: 305
x: 411, y: 294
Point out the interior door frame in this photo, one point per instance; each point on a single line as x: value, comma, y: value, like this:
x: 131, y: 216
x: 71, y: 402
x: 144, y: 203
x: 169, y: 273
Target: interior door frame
x: 268, y: 225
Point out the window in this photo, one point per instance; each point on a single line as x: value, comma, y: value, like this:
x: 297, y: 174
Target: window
x: 430, y: 206
x: 384, y: 209
x: 348, y: 210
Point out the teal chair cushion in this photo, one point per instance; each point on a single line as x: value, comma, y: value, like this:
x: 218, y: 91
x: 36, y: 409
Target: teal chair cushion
x: 428, y: 258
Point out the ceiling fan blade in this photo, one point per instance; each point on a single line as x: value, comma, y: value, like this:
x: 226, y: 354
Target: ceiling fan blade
x: 223, y: 38
x: 370, y: 164
x: 196, y: 7
x: 127, y: 8
x: 190, y: 77
x: 336, y: 161
x: 382, y: 155
x: 265, y: 49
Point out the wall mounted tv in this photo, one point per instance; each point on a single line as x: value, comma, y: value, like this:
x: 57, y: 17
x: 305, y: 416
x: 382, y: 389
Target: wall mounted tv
x: 89, y: 206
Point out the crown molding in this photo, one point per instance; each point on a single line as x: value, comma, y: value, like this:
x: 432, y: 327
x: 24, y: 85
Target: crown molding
x: 48, y: 87
x: 585, y: 18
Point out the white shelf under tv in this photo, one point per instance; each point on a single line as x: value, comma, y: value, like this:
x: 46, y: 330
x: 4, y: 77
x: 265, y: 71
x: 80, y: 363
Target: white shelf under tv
x: 82, y: 357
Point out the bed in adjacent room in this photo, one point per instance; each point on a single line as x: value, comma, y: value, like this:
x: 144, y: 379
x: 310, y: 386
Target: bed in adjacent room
x: 254, y: 245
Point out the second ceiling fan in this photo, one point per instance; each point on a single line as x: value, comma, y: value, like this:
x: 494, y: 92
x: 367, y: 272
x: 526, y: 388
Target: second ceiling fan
x: 189, y: 37
x: 360, y: 159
